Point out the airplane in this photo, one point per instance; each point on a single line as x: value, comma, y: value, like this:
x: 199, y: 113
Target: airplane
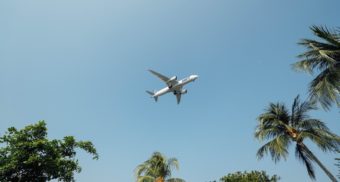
x: 173, y: 86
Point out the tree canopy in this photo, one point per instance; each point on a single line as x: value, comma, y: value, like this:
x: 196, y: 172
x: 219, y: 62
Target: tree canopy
x: 28, y: 155
x: 253, y: 176
x: 157, y: 169
x: 322, y: 57
x: 283, y: 127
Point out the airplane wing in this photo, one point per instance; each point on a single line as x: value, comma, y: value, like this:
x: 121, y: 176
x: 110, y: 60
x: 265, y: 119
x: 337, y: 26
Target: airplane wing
x: 164, y: 78
x: 178, y: 97
x: 178, y: 94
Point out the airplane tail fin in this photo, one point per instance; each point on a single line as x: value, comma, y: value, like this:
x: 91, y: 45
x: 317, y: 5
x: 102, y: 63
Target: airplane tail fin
x: 152, y: 95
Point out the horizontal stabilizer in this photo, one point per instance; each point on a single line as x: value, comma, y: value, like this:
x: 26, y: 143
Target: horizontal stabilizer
x: 152, y: 95
x: 149, y: 92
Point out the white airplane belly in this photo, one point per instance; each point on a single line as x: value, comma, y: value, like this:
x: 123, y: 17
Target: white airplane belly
x: 163, y: 91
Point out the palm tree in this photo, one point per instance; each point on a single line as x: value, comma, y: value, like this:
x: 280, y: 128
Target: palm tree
x: 157, y: 169
x: 324, y: 57
x: 284, y: 128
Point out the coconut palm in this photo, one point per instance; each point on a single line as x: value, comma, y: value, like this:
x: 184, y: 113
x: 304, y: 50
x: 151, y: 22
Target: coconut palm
x: 284, y: 127
x: 324, y: 57
x: 157, y: 169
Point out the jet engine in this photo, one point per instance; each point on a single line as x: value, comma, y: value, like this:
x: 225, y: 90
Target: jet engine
x: 170, y: 80
x: 173, y: 78
x: 184, y: 91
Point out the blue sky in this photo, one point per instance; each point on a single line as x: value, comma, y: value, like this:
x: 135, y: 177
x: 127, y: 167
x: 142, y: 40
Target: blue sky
x: 81, y: 66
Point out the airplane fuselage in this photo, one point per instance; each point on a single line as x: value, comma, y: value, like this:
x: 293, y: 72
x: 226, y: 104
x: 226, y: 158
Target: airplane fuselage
x: 179, y: 85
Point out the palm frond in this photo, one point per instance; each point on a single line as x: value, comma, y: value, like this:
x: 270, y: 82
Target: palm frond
x: 157, y: 166
x: 325, y: 88
x: 279, y: 111
x: 309, y: 65
x: 312, y: 157
x: 324, y: 139
x: 264, y: 132
x: 173, y: 162
x: 318, y: 56
x: 277, y: 148
x: 295, y: 106
x: 312, y: 124
x: 275, y: 115
x: 273, y: 122
x: 317, y: 49
x: 301, y: 154
x: 300, y: 111
x: 325, y: 58
x: 140, y: 169
x: 324, y: 33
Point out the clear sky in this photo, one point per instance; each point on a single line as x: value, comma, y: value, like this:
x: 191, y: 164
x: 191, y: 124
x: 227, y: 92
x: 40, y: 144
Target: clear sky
x: 82, y: 66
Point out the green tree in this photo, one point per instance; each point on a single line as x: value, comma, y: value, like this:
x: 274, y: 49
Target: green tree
x: 29, y: 156
x: 323, y: 56
x: 253, y: 176
x: 284, y: 128
x: 157, y: 169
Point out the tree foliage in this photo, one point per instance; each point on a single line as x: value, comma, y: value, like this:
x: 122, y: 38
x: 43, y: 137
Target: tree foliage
x: 29, y: 156
x: 253, y: 176
x: 283, y: 127
x: 157, y: 169
x: 324, y: 57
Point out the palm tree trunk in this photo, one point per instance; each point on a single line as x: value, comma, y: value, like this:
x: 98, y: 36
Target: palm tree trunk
x: 315, y: 159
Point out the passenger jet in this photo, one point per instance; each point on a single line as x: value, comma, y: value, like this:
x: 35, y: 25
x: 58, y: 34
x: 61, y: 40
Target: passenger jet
x: 174, y: 86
